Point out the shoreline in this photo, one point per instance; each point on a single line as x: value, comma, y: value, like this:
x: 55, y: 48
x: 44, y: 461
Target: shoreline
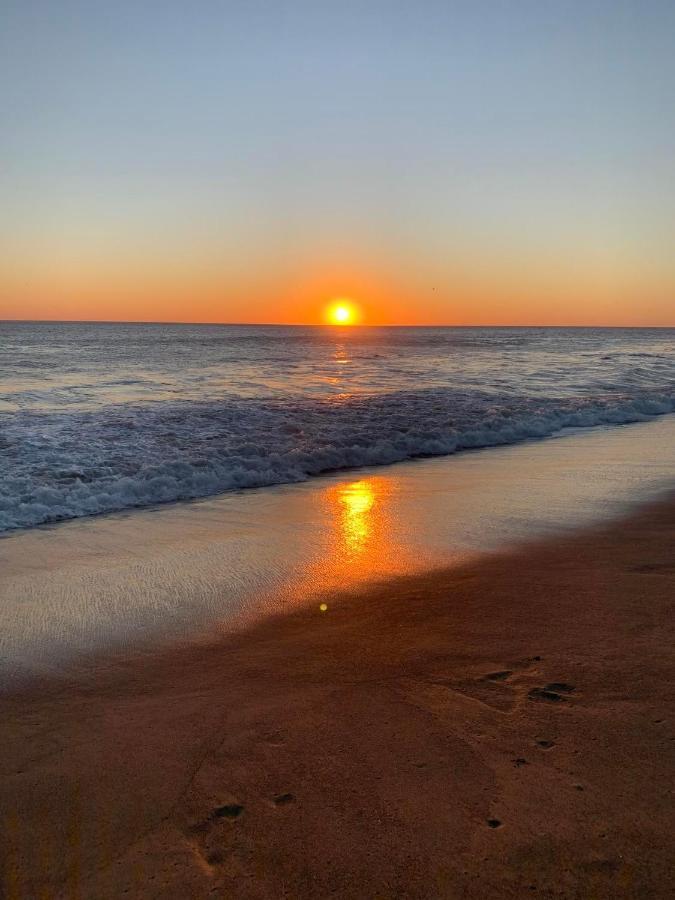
x: 327, y: 475
x: 101, y: 585
x: 402, y: 743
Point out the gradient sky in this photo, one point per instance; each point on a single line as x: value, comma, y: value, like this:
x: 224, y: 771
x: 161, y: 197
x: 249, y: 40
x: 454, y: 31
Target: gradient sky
x: 438, y: 162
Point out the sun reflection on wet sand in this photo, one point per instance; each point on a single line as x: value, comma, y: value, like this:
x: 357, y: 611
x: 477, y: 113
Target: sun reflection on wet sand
x: 357, y: 501
x: 363, y: 543
x: 188, y: 571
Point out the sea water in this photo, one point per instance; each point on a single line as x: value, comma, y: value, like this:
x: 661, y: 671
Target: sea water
x: 102, y: 417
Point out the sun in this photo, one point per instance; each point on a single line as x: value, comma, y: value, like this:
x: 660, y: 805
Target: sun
x: 342, y: 312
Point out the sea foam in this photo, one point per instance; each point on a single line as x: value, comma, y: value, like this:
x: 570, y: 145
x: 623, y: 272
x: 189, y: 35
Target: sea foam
x: 57, y: 465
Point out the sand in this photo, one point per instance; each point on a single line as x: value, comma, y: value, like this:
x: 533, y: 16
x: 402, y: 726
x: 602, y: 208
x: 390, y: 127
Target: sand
x: 503, y: 729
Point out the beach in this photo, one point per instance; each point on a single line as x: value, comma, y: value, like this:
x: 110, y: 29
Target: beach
x: 292, y: 613
x: 337, y: 451
x: 498, y: 728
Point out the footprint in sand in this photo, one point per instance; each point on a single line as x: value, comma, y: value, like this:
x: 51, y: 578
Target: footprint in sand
x: 499, y: 676
x: 501, y: 690
x: 228, y: 811
x: 544, y: 694
x: 212, y: 843
x: 498, y: 689
x: 560, y: 686
x: 552, y: 692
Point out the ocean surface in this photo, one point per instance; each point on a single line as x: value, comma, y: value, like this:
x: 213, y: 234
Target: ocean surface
x: 96, y: 418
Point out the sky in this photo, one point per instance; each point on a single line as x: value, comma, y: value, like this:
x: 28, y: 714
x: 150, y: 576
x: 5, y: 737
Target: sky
x: 436, y: 162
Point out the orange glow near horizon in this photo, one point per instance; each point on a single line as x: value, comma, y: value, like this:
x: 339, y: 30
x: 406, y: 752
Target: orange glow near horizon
x: 71, y: 289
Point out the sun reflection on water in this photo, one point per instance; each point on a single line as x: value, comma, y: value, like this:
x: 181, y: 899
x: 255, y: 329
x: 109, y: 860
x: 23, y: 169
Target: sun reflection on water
x: 341, y: 355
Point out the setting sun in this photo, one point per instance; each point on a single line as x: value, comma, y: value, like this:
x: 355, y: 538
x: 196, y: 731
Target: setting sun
x: 342, y: 312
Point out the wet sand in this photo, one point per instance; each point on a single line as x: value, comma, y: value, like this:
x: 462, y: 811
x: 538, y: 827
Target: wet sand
x: 501, y: 729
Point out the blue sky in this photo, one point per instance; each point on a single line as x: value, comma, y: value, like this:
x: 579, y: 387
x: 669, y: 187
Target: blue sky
x: 418, y: 143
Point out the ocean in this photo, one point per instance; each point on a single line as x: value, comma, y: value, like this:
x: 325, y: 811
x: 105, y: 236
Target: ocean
x: 102, y: 417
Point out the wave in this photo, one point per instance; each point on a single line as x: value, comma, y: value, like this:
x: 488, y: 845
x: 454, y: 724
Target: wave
x: 56, y: 466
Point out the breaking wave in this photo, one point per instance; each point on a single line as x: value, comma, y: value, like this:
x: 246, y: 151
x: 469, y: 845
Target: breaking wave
x: 65, y: 464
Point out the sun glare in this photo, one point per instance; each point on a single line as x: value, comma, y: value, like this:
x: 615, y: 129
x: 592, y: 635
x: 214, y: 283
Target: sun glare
x: 342, y: 312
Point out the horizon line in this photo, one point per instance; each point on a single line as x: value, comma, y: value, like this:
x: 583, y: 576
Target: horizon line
x: 314, y: 324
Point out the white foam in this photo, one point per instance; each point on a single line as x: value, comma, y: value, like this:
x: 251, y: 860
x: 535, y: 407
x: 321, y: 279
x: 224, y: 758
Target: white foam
x: 66, y: 464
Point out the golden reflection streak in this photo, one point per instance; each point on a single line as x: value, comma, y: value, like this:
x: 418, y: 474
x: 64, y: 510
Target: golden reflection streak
x: 357, y: 501
x: 363, y: 541
x: 341, y: 355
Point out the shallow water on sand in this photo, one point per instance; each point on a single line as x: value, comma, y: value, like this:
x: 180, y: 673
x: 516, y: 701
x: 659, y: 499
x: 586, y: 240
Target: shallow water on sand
x: 178, y: 572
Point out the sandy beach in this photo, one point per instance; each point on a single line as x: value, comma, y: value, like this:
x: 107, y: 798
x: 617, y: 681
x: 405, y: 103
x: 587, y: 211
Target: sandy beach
x: 337, y: 451
x: 498, y: 729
